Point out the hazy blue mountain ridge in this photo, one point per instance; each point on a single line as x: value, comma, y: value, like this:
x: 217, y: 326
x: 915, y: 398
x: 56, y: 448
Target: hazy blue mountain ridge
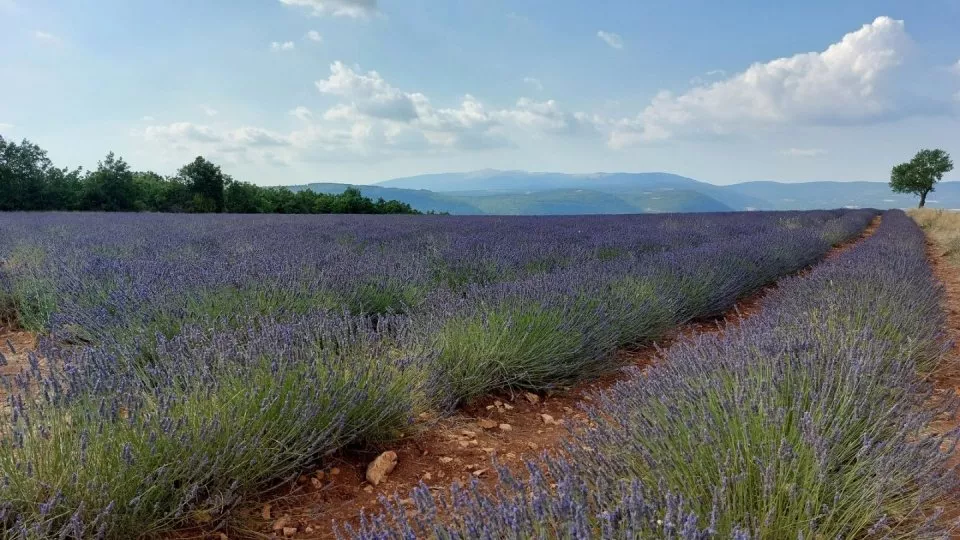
x: 519, y: 192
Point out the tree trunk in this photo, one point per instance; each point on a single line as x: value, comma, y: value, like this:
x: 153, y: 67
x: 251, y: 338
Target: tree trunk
x: 923, y: 199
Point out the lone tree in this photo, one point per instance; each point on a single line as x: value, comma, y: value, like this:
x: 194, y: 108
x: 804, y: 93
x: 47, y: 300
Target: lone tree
x: 919, y: 175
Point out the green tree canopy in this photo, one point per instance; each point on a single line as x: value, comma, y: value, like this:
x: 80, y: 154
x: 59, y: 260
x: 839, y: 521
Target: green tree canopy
x: 919, y: 175
x: 29, y: 181
x: 111, y: 187
x: 206, y: 182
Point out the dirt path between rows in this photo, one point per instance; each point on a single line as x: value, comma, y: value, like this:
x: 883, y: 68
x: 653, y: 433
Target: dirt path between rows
x: 946, y: 378
x: 453, y: 449
x: 15, y: 346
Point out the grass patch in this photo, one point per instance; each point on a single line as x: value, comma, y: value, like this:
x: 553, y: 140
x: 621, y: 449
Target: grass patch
x: 513, y: 345
x: 31, y: 296
x: 384, y: 297
x: 943, y: 227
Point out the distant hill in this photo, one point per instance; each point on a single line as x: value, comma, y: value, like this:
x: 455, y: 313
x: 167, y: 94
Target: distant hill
x: 421, y: 199
x: 519, y: 192
x: 806, y: 195
x: 587, y: 201
x: 547, y: 202
x: 490, y: 181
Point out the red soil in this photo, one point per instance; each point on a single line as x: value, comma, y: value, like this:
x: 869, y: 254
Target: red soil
x: 23, y: 342
x: 946, y: 378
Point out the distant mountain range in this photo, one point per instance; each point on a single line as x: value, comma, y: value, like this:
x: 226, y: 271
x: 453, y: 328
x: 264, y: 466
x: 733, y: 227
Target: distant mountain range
x: 519, y: 192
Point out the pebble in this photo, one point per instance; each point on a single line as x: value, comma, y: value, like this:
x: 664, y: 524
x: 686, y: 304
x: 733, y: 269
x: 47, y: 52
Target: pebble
x: 379, y: 468
x: 279, y: 524
x: 506, y: 427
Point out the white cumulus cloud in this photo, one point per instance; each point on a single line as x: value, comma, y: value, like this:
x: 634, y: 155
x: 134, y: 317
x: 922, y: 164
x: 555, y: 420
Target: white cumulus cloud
x: 388, y: 116
x: 846, y: 83
x: 337, y: 8
x: 257, y: 137
x: 182, y: 140
x: 547, y: 116
x: 278, y: 46
x: 302, y: 113
x: 314, y: 36
x: 374, y: 119
x: 182, y: 131
x: 612, y: 39
x: 369, y: 93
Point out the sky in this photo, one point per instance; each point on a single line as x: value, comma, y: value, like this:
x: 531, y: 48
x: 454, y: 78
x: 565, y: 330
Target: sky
x: 283, y: 92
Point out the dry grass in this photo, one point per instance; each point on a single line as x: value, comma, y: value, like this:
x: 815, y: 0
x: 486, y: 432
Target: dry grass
x: 943, y: 227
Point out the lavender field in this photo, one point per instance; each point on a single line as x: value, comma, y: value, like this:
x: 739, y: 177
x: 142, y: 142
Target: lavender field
x: 812, y: 419
x: 187, y: 363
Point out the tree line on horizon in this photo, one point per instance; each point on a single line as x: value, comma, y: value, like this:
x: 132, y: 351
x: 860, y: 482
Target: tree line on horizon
x: 29, y: 181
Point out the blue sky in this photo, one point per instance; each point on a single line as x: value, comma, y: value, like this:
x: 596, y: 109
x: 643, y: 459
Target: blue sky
x: 293, y: 91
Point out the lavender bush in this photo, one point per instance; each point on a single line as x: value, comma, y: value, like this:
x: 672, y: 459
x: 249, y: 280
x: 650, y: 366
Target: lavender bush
x: 110, y: 450
x: 812, y: 419
x: 192, y: 360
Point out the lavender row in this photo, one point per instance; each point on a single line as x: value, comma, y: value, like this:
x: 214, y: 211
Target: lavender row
x: 125, y: 275
x: 811, y: 420
x: 191, y: 371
